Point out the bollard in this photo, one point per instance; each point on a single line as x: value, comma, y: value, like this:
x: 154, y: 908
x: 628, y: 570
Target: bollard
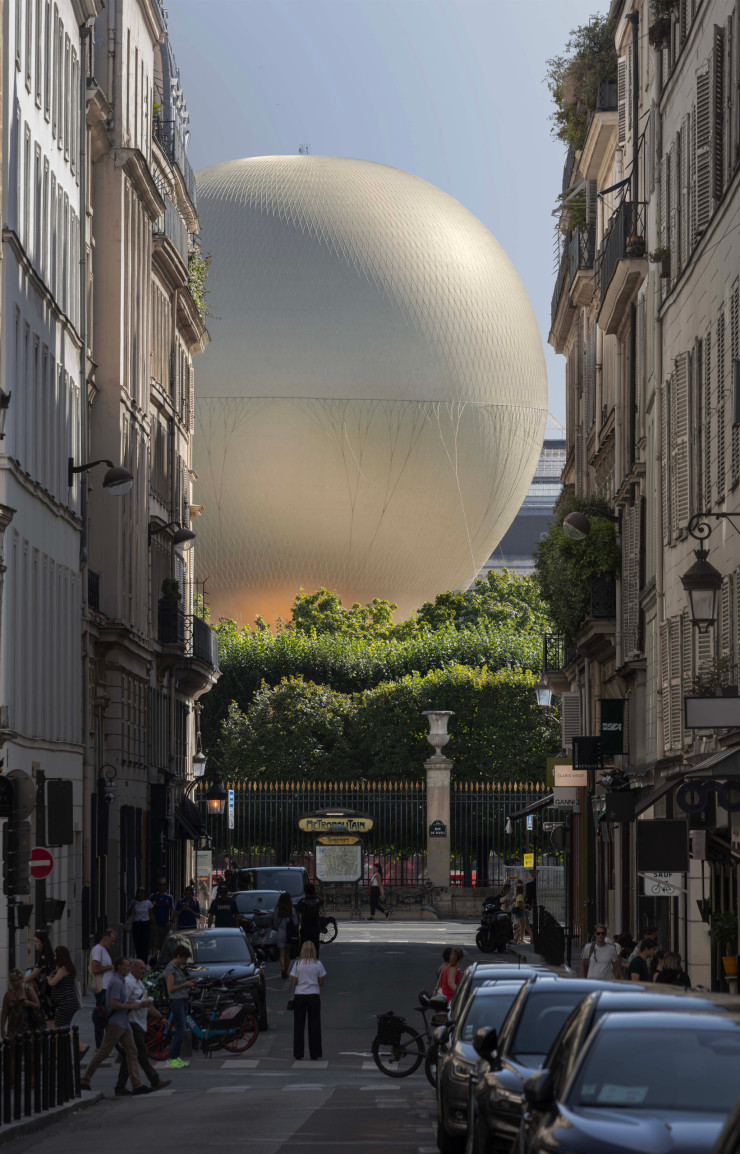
x: 7, y: 1079
x: 44, y: 1070
x: 27, y: 1072
x: 37, y: 1042
x: 66, y: 1055
x: 76, y: 1061
x: 17, y: 1076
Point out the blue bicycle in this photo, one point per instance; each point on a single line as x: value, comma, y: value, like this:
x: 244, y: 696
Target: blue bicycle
x: 216, y: 1021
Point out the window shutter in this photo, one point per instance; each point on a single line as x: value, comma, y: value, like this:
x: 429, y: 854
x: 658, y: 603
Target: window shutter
x: 640, y: 348
x: 674, y: 199
x: 736, y: 621
x: 676, y: 719
x: 721, y: 407
x: 685, y: 211
x: 727, y: 122
x: 666, y: 458
x: 628, y: 90
x: 631, y: 580
x: 687, y: 651
x: 726, y: 614
x: 663, y: 230
x: 734, y: 354
x: 590, y: 379
x: 693, y: 234
x: 704, y: 650
x: 191, y: 400
x: 579, y: 461
x: 621, y: 101
x: 665, y: 681
x: 570, y: 719
x: 679, y: 435
x: 717, y: 71
x: 703, y: 161
x: 707, y: 419
x: 682, y: 20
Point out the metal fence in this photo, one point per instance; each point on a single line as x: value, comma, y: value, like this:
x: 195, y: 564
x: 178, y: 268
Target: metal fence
x: 482, y: 851
x: 38, y: 1071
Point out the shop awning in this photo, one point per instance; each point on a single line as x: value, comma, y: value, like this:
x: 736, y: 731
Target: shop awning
x: 726, y: 764
x: 541, y: 803
x: 189, y: 820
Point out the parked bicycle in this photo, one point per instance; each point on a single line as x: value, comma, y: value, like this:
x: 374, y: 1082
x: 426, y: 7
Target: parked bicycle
x: 215, y: 1021
x: 399, y: 1050
x: 328, y: 930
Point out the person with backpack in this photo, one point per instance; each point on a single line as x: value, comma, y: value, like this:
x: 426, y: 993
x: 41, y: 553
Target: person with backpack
x: 309, y: 911
x: 601, y: 960
x: 285, y: 921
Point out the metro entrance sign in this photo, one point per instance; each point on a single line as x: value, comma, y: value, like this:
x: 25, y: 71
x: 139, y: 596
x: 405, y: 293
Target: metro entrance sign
x: 42, y: 863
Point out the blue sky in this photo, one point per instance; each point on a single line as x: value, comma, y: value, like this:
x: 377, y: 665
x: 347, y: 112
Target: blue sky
x: 450, y: 90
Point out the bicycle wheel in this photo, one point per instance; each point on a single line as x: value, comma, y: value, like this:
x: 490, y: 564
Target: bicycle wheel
x: 399, y: 1059
x: 430, y: 1064
x: 158, y: 1038
x: 243, y: 1037
x: 329, y: 931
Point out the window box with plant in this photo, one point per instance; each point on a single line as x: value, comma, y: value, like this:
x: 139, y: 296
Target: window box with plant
x: 724, y: 932
x: 659, y: 33
x: 662, y: 256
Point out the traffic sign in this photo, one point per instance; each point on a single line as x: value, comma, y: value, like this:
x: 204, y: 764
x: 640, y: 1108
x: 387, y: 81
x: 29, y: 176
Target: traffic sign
x: 42, y: 863
x: 530, y: 821
x: 528, y: 861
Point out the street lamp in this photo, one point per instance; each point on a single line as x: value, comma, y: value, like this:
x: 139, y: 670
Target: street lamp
x: 199, y: 763
x: 109, y: 782
x: 543, y: 693
x: 702, y: 583
x: 216, y: 797
x: 182, y: 539
x: 117, y: 480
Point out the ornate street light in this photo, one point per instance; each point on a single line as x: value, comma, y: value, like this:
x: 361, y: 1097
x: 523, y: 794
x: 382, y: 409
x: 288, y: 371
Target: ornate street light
x: 108, y: 779
x: 543, y: 693
x: 199, y: 764
x: 182, y: 539
x: 117, y: 480
x: 702, y: 583
x: 216, y: 797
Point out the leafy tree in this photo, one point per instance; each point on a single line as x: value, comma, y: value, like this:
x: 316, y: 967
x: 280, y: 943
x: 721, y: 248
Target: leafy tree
x: 566, y: 567
x: 323, y: 612
x: 497, y: 599
x: 573, y: 78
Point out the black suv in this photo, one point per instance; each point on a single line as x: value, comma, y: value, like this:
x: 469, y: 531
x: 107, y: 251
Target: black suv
x: 286, y: 879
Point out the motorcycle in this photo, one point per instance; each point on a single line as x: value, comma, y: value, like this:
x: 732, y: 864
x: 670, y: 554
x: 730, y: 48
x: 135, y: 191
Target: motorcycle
x: 495, y: 931
x: 259, y: 929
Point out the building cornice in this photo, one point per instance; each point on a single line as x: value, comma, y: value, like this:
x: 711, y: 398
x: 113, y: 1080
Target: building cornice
x: 133, y: 162
x: 85, y: 10
x: 10, y: 465
x: 189, y: 320
x: 151, y: 10
x: 99, y: 115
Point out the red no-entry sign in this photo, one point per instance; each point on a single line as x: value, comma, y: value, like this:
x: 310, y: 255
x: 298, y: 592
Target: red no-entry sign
x: 42, y: 863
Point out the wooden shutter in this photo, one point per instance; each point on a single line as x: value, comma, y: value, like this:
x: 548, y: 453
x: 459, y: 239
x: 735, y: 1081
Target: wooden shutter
x: 734, y: 354
x: 736, y: 621
x: 717, y: 73
x: 721, y: 407
x: 665, y: 682
x: 727, y: 607
x: 579, y: 461
x: 679, y: 439
x: 191, y: 400
x: 707, y: 418
x: 682, y: 20
x: 570, y: 719
x: 687, y: 652
x: 704, y: 651
x: 589, y: 373
x: 640, y: 373
x: 628, y: 90
x: 728, y: 127
x: 693, y: 233
x: 631, y: 525
x: 621, y: 101
x: 703, y: 154
x: 666, y: 462
x: 697, y: 413
x: 676, y: 708
x: 663, y: 230
x: 674, y: 201
x: 685, y: 209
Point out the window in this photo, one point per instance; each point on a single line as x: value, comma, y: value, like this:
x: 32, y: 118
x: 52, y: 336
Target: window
x: 67, y: 95
x: 18, y: 33
x: 37, y: 206
x: 54, y: 69
x: 26, y: 185
x: 39, y: 44
x: 52, y: 227
x: 29, y: 41
x: 48, y: 32
x: 59, y: 68
x: 73, y: 102
x: 45, y: 223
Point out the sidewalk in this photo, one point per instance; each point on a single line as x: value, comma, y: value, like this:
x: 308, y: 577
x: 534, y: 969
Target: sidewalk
x: 24, y: 1126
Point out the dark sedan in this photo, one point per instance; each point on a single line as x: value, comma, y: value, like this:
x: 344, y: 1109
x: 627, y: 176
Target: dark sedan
x: 658, y: 1082
x: 479, y: 972
x: 224, y: 953
x: 485, y: 1008
x: 508, y: 1058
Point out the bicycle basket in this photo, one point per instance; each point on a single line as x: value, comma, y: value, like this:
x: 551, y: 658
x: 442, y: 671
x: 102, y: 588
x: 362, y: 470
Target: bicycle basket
x: 389, y: 1028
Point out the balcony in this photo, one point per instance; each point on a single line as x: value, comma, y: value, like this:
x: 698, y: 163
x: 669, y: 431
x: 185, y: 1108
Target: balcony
x: 170, y: 226
x: 196, y: 638
x: 621, y: 264
x: 595, y: 638
x: 570, y: 163
x: 574, y: 284
x: 205, y: 642
x: 170, y: 140
x: 558, y: 652
x: 602, y: 125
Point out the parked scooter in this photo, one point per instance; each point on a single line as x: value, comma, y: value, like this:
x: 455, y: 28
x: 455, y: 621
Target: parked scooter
x: 259, y: 929
x: 495, y: 930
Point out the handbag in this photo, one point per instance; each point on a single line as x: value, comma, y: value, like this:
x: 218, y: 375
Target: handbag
x: 95, y: 983
x: 291, y: 1004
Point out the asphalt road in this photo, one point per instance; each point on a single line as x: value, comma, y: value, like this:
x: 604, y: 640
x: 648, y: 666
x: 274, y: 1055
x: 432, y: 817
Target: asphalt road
x: 267, y: 1103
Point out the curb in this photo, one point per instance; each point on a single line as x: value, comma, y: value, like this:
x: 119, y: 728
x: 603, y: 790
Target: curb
x: 13, y: 1130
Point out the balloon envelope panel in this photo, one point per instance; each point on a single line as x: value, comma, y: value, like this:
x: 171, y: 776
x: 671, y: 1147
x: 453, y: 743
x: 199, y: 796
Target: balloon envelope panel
x: 370, y: 411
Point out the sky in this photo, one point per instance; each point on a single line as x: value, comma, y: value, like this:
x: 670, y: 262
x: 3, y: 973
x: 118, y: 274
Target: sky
x: 452, y: 91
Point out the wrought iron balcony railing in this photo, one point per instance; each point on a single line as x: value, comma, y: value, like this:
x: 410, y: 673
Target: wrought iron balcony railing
x: 581, y: 250
x: 603, y: 597
x: 175, y: 627
x: 625, y: 237
x: 172, y: 226
x: 169, y: 138
x: 558, y: 652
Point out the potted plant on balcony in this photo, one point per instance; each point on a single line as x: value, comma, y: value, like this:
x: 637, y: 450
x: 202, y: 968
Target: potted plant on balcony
x: 724, y: 933
x: 171, y: 631
x: 662, y: 256
x: 635, y: 245
x: 659, y: 33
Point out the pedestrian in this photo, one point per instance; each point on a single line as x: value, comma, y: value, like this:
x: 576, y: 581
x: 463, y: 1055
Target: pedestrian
x: 101, y: 975
x: 229, y: 874
x: 187, y: 911
x: 20, y: 1007
x: 520, y: 913
x: 672, y: 973
x: 307, y: 974
x: 446, y: 954
x: 377, y: 893
x: 309, y: 911
x: 140, y: 916
x: 118, y: 1033
x: 178, y: 987
x: 163, y: 907
x: 223, y: 910
x: 63, y: 988
x: 42, y: 967
x: 651, y: 934
x: 639, y: 967
x: 450, y: 975
x: 136, y: 992
x: 285, y: 921
x: 601, y: 960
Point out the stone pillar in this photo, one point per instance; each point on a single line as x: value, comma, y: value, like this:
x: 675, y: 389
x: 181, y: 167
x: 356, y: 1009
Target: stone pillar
x: 438, y: 811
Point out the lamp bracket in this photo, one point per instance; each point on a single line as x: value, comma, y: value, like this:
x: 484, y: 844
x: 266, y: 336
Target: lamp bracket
x: 699, y: 527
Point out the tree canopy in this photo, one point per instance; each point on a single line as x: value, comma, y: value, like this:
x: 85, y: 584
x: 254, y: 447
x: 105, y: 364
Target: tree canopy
x: 589, y: 60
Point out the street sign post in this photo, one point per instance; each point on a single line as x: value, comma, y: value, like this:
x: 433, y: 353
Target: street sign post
x: 42, y: 863
x: 660, y: 884
x: 231, y: 809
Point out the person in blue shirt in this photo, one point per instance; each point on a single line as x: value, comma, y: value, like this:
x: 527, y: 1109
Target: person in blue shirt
x: 163, y: 907
x: 187, y: 911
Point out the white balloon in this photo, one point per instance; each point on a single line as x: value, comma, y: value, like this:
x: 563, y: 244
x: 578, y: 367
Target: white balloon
x: 370, y: 411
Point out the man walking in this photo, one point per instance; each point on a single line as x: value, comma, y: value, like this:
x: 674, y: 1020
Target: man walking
x: 639, y: 967
x: 601, y: 960
x: 101, y: 971
x: 187, y: 911
x: 118, y: 1030
x: 223, y: 910
x: 136, y: 992
x: 163, y: 907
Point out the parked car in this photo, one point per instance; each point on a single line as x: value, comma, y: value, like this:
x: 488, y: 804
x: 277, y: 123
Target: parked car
x: 508, y: 1057
x: 662, y: 1082
x: 485, y: 1008
x: 475, y: 975
x: 285, y: 879
x: 225, y: 954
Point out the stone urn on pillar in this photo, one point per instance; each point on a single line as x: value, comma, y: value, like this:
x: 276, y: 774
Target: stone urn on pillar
x: 438, y: 798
